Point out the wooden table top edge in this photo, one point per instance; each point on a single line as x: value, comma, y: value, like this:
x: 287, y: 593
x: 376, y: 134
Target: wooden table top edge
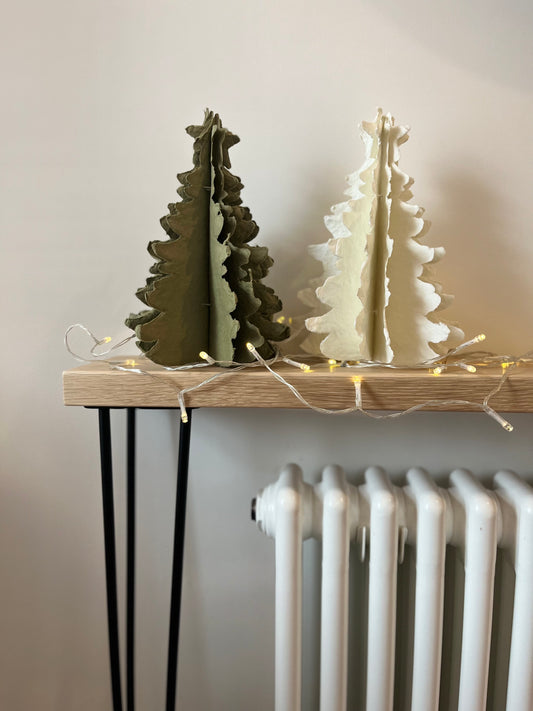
x: 97, y: 384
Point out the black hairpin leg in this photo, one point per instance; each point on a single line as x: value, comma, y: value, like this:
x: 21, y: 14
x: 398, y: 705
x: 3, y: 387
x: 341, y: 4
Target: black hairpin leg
x: 177, y: 560
x: 111, y: 564
x: 110, y: 554
x: 130, y: 563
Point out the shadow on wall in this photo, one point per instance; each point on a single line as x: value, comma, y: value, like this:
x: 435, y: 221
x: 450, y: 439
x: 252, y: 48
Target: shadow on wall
x: 298, y: 265
x: 483, y: 268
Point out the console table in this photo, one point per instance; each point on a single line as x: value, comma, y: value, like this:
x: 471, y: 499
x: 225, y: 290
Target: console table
x: 97, y: 385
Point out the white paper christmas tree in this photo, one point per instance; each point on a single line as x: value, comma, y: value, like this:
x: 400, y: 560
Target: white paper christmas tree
x: 383, y: 303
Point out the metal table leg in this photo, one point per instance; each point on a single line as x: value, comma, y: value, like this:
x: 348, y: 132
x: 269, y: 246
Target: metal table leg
x: 130, y: 562
x: 111, y: 565
x: 177, y: 560
x: 110, y: 554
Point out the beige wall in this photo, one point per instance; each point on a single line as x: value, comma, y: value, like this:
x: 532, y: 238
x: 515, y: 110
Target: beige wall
x: 96, y: 96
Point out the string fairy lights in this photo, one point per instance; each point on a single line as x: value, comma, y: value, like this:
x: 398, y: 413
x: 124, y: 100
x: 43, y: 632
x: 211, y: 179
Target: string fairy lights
x: 357, y: 380
x: 96, y: 342
x: 455, y: 358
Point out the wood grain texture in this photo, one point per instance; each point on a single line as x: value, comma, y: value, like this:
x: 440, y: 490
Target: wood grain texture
x: 98, y: 385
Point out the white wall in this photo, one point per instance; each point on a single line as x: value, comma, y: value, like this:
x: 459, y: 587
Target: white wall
x: 96, y: 97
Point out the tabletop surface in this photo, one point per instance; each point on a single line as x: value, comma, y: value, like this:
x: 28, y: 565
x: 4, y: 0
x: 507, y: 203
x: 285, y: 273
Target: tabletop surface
x: 98, y: 384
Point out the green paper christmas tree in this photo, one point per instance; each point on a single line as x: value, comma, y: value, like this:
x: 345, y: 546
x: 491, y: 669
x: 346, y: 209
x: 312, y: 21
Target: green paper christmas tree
x: 206, y: 292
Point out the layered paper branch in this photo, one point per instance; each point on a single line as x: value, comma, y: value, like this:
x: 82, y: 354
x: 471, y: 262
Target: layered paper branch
x: 384, y: 304
x: 206, y: 292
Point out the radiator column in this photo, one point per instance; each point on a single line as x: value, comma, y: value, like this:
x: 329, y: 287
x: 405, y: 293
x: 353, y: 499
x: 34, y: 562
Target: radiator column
x: 381, y: 589
x: 518, y: 538
x: 480, y: 541
x: 430, y: 541
x: 282, y: 511
x: 335, y: 497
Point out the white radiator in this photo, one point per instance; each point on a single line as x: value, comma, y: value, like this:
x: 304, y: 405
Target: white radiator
x: 381, y: 519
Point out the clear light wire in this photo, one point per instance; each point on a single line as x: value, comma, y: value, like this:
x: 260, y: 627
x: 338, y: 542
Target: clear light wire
x: 436, y: 366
